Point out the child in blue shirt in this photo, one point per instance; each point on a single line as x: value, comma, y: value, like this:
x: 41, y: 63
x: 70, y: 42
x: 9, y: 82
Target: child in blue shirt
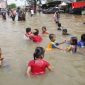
x: 81, y: 43
x: 53, y: 44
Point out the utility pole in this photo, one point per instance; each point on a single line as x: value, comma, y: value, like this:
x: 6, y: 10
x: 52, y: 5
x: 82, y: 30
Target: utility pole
x: 6, y: 4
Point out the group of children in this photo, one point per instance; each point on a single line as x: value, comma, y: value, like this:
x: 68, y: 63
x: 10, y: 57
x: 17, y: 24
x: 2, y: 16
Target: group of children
x: 38, y: 65
x: 35, y: 36
x: 73, y: 42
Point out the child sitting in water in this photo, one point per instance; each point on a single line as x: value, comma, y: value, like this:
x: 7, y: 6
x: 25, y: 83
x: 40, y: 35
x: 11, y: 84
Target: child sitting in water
x: 28, y: 33
x: 38, y: 65
x: 36, y: 37
x: 59, y: 26
x: 44, y: 30
x: 1, y: 58
x: 65, y: 32
x: 73, y: 45
x: 53, y: 44
x: 81, y: 43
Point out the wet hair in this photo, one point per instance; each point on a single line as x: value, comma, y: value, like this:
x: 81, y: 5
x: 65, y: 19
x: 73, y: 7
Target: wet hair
x: 37, y: 32
x: 28, y: 29
x: 73, y: 41
x: 64, y: 31
x: 59, y: 24
x: 44, y: 27
x: 83, y: 37
x: 39, y: 53
x: 51, y: 36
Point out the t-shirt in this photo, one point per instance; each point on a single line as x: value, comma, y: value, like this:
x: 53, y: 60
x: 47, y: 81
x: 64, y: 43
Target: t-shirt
x: 52, y: 45
x: 37, y: 38
x: 81, y: 44
x: 72, y: 48
x: 38, y: 66
x: 32, y: 11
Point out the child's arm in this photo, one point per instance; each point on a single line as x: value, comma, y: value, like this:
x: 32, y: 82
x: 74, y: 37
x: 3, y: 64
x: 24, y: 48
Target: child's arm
x: 63, y: 42
x: 28, y: 71
x: 49, y: 68
x: 57, y: 46
x: 69, y: 48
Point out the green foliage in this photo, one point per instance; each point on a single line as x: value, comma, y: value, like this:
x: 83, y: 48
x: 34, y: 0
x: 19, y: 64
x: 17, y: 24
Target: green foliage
x: 50, y: 1
x: 11, y: 6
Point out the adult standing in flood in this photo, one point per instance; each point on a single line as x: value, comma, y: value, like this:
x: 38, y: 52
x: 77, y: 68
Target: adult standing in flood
x: 4, y: 15
x: 13, y: 14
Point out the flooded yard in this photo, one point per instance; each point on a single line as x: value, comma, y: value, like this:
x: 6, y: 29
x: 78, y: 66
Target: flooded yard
x: 68, y: 68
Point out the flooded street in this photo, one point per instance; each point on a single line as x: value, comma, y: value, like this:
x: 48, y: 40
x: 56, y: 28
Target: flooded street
x: 68, y: 68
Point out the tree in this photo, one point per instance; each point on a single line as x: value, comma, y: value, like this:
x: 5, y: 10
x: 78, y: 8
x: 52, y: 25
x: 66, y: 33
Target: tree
x: 11, y: 6
x: 51, y: 1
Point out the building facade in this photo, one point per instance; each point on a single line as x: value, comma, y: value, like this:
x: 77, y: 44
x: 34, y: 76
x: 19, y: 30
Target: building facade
x: 2, y: 4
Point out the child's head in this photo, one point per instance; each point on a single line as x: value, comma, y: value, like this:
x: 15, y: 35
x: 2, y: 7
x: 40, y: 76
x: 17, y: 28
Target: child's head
x: 36, y: 32
x: 39, y: 53
x: 52, y: 37
x: 64, y: 32
x: 83, y: 37
x: 73, y: 40
x: 44, y: 29
x: 28, y: 29
x: 59, y: 24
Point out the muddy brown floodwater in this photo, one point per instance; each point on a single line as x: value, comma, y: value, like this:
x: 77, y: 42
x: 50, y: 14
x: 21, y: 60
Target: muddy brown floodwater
x: 68, y: 68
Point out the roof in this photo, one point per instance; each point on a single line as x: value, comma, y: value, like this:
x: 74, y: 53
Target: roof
x: 67, y: 1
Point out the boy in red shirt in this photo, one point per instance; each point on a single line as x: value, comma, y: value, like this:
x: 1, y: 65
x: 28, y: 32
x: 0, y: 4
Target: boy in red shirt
x: 38, y: 65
